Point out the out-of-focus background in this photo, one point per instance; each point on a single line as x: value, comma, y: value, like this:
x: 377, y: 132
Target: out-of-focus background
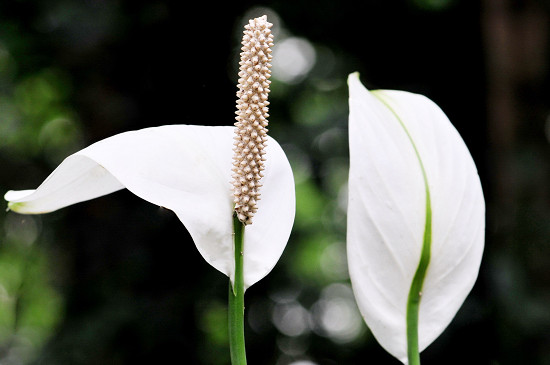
x: 118, y: 281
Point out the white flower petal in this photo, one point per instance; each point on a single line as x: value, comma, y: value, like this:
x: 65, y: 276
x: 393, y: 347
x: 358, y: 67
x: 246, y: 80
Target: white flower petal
x: 186, y: 169
x: 387, y: 213
x: 77, y: 179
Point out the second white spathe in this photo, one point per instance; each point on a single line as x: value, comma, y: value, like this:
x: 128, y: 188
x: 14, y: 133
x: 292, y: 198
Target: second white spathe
x: 394, y: 136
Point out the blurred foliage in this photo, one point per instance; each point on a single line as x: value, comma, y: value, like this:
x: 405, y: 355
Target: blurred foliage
x: 117, y: 281
x: 30, y: 305
x: 41, y: 121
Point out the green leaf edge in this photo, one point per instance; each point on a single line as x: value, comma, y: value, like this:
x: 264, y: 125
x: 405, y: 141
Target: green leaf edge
x: 415, y: 291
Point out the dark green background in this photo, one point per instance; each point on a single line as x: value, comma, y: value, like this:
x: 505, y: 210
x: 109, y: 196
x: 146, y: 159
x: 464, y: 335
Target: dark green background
x: 118, y: 281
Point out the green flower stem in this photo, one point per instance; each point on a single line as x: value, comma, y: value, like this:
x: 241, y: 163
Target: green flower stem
x: 415, y: 292
x: 236, y: 300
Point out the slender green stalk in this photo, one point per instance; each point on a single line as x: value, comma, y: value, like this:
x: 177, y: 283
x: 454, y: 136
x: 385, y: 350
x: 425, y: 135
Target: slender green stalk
x: 415, y: 292
x: 236, y: 300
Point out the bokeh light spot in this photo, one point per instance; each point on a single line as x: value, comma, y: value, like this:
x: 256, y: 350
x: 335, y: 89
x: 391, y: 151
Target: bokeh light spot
x: 291, y: 319
x: 293, y: 58
x: 336, y: 315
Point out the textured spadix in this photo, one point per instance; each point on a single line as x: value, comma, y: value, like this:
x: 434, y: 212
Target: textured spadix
x: 252, y: 114
x: 393, y: 136
x: 186, y: 169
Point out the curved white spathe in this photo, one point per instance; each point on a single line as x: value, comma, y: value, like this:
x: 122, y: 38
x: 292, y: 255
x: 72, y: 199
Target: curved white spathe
x: 387, y: 213
x: 186, y: 169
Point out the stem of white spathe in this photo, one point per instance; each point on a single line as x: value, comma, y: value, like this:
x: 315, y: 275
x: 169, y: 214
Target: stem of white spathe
x: 415, y: 291
x: 236, y: 299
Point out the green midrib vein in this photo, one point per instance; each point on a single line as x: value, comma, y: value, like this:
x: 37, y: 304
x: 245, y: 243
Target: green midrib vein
x: 415, y: 291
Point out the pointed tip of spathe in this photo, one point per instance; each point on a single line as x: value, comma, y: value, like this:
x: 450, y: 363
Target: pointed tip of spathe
x: 11, y: 205
x: 17, y: 204
x: 14, y: 207
x: 356, y: 88
x: 354, y: 80
x: 355, y: 84
x: 354, y: 76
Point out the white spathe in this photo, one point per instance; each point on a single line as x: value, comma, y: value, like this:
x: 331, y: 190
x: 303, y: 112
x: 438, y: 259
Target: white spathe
x: 387, y: 213
x: 186, y: 169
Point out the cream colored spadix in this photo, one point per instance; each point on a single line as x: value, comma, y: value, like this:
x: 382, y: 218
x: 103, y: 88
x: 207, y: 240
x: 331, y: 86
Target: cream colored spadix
x: 394, y: 136
x: 186, y: 169
x: 252, y: 113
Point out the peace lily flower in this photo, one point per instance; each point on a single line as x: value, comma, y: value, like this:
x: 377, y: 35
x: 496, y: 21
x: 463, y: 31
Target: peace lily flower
x: 416, y: 218
x: 189, y: 170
